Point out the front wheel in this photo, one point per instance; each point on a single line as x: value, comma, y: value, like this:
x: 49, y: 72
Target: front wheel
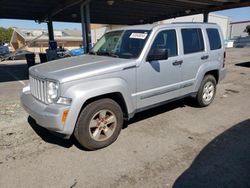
x: 99, y: 124
x: 206, y: 93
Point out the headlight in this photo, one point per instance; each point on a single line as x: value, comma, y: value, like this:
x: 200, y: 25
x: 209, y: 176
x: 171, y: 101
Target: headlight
x: 52, y: 91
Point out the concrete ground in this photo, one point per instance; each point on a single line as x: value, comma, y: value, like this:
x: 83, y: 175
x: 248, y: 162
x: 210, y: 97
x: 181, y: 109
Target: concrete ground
x: 176, y: 145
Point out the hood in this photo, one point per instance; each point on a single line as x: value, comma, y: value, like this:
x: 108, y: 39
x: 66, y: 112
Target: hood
x: 74, y: 68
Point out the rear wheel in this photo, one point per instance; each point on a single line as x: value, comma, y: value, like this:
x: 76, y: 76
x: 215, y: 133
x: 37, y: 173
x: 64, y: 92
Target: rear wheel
x: 99, y: 124
x: 207, y: 91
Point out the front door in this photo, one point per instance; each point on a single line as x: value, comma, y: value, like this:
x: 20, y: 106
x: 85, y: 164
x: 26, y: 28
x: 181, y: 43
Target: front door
x: 158, y: 81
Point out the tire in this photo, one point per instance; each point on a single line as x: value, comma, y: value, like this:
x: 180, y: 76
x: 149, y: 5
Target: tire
x: 99, y: 124
x: 207, y: 91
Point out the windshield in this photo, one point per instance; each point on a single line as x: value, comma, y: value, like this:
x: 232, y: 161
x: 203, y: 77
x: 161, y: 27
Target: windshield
x: 126, y: 44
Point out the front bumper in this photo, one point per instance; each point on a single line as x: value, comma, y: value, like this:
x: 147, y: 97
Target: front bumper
x: 47, y: 116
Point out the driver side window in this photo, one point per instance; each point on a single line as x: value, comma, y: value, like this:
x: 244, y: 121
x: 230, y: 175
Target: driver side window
x: 166, y: 39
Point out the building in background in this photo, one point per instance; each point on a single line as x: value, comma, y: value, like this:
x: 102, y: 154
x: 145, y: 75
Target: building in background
x: 238, y: 29
x: 222, y: 21
x: 97, y: 30
x: 240, y: 34
x: 36, y: 40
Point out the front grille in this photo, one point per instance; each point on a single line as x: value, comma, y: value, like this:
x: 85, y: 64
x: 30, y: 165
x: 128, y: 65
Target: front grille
x: 38, y: 88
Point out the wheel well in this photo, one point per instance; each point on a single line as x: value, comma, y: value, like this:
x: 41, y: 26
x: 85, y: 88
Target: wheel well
x: 117, y: 97
x: 215, y: 74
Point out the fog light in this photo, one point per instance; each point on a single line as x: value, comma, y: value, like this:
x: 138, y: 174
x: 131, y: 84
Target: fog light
x: 64, y: 116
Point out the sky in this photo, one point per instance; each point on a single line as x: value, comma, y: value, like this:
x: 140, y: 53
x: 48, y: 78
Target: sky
x: 239, y: 14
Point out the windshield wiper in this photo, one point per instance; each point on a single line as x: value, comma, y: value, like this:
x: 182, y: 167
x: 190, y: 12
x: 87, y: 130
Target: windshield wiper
x: 107, y: 54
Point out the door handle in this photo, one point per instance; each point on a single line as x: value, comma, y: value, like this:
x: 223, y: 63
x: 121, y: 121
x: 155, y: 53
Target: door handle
x: 175, y: 63
x: 205, y: 57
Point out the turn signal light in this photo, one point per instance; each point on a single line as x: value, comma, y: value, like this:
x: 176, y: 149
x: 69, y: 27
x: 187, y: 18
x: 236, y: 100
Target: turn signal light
x: 64, y: 116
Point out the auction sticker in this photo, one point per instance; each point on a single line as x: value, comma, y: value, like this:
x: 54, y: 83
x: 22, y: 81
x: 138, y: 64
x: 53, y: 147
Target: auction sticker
x: 138, y: 36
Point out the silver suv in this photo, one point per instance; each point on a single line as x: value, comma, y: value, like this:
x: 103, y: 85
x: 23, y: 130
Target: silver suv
x: 127, y: 71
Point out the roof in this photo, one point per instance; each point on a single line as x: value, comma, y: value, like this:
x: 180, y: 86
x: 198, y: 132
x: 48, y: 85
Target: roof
x: 42, y: 34
x: 125, y: 12
x: 247, y: 21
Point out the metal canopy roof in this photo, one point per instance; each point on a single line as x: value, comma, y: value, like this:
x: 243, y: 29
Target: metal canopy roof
x: 112, y: 11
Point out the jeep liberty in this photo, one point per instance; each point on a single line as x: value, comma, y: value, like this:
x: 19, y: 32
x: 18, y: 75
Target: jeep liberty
x: 127, y: 71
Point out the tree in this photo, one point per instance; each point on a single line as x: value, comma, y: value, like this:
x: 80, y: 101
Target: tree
x: 5, y: 34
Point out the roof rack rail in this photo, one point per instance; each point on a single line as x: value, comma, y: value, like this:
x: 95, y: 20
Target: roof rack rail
x: 193, y: 23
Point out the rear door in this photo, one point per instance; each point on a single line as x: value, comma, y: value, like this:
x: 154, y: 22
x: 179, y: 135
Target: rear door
x: 194, y: 54
x: 216, y: 49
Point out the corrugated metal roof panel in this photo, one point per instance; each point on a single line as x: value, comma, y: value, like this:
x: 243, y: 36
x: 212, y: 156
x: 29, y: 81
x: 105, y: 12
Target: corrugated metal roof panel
x: 120, y: 12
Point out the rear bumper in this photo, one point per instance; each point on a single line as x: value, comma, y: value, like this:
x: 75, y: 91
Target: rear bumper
x: 47, y: 116
x: 222, y: 74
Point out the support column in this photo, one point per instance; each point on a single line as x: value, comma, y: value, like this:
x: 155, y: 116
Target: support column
x: 84, y: 39
x: 86, y: 30
x: 51, y: 53
x: 50, y: 30
x: 205, y: 17
x: 88, y: 27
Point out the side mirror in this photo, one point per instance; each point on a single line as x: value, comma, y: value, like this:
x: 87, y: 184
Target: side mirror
x: 157, y: 54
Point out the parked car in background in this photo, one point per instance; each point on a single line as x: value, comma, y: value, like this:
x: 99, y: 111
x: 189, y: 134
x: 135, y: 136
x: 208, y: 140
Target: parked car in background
x: 128, y: 70
x: 242, y: 42
x: 19, y: 55
x: 62, y: 52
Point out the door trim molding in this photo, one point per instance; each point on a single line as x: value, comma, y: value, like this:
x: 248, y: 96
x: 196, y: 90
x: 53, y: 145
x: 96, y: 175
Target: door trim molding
x: 163, y: 90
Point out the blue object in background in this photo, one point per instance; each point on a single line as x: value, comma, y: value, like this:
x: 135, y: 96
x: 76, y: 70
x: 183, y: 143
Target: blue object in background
x: 77, y: 52
x: 4, y: 50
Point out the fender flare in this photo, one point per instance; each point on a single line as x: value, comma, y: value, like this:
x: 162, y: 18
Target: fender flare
x: 82, y: 92
x: 211, y: 66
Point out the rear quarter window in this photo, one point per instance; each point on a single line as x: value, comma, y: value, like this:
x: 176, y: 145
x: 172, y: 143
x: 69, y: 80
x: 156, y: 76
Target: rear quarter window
x: 214, y: 38
x: 192, y: 40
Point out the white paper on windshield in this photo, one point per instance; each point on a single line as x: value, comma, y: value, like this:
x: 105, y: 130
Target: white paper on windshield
x: 138, y: 36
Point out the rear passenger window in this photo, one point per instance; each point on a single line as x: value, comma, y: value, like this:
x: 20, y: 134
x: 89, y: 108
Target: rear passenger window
x: 214, y: 38
x: 166, y: 39
x: 192, y: 40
